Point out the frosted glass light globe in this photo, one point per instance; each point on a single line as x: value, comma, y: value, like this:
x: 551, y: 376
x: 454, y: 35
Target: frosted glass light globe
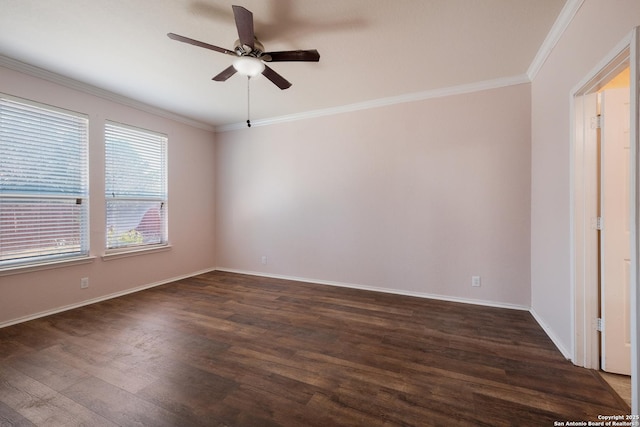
x: 248, y: 66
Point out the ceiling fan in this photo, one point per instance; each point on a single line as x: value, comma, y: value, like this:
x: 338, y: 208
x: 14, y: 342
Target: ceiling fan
x: 249, y: 52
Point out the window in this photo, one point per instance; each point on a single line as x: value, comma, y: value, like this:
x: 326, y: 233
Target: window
x: 136, y: 187
x: 43, y: 183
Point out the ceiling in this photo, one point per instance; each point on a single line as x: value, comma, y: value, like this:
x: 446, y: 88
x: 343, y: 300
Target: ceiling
x: 370, y: 49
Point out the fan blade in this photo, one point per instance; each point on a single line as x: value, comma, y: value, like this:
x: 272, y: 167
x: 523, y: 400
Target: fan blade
x: 276, y: 78
x: 200, y: 44
x: 294, y: 55
x: 244, y: 24
x: 225, y: 74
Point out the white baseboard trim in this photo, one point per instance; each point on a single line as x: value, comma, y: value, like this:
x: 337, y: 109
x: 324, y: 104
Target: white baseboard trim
x: 565, y: 352
x: 378, y: 289
x: 99, y: 299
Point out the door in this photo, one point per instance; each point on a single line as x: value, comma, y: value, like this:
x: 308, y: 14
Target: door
x: 615, y: 243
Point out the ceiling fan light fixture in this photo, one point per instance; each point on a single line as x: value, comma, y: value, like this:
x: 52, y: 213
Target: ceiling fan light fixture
x: 248, y: 66
x: 249, y: 53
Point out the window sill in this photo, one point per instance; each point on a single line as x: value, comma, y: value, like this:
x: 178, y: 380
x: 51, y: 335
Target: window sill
x: 124, y: 253
x: 46, y: 265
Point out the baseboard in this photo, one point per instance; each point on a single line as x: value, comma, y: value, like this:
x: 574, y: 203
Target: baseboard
x: 99, y: 299
x: 565, y: 352
x: 378, y: 289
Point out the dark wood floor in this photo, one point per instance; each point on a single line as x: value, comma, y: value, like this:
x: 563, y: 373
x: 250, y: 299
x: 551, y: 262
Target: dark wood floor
x: 224, y: 349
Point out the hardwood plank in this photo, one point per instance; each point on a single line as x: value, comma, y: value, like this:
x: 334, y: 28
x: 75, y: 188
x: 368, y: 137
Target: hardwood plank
x: 260, y: 407
x: 42, y: 405
x: 48, y: 370
x: 105, y: 367
x: 187, y: 391
x: 10, y: 418
x: 120, y: 406
x: 29, y: 336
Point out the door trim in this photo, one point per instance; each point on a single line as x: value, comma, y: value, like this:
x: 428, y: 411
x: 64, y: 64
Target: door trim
x: 583, y: 245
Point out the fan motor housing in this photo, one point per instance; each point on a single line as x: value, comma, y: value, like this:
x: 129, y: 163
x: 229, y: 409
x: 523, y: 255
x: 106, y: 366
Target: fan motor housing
x: 244, y: 50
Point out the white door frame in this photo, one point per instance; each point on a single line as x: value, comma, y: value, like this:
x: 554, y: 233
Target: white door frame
x: 584, y: 199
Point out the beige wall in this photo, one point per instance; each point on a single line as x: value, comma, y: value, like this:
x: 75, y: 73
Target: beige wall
x: 595, y: 30
x: 191, y: 208
x: 411, y: 198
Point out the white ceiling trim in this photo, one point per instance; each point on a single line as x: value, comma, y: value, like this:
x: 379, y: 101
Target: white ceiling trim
x: 34, y: 71
x: 382, y: 102
x: 565, y: 17
x: 50, y: 76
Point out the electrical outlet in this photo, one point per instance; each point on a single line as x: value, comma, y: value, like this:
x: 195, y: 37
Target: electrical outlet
x: 264, y: 259
x: 475, y: 281
x: 84, y: 283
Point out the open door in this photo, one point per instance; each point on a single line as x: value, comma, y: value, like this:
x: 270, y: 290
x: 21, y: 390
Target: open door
x: 584, y: 249
x: 615, y: 238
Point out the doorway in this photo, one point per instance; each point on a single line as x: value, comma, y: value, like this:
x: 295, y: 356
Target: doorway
x: 613, y: 138
x: 595, y: 189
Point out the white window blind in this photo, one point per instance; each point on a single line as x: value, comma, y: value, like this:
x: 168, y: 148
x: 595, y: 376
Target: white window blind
x: 136, y: 187
x: 43, y: 183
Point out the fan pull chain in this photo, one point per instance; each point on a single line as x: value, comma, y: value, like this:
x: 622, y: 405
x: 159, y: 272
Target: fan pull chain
x: 248, y: 102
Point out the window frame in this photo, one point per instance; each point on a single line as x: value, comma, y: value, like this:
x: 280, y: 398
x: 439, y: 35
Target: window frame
x: 74, y: 196
x: 139, y: 248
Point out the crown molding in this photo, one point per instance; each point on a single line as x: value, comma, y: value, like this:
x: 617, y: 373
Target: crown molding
x: 563, y: 20
x: 68, y: 82
x: 383, y: 102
